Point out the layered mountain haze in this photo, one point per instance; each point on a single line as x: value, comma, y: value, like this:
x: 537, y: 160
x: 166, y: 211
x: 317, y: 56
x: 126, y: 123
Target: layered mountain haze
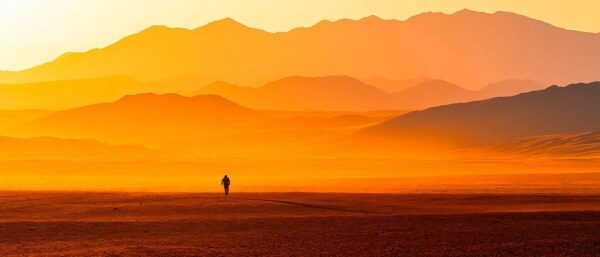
x: 13, y: 117
x: 343, y: 93
x: 46, y: 148
x: 436, y: 94
x: 63, y: 94
x: 555, y: 110
x: 205, y: 123
x: 331, y: 93
x: 142, y: 116
x: 495, y: 46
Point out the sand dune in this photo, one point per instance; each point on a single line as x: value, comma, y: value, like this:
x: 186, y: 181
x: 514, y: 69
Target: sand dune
x: 584, y: 145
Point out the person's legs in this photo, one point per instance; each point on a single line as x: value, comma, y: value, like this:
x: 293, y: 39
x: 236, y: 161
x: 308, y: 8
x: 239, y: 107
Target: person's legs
x: 226, y: 190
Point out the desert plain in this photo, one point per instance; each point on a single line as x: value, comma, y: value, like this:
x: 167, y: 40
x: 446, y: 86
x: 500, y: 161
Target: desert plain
x: 485, y: 220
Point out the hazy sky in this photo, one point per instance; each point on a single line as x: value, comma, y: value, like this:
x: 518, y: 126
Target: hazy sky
x: 36, y: 31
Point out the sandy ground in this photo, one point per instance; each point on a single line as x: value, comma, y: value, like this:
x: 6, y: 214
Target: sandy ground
x: 298, y: 224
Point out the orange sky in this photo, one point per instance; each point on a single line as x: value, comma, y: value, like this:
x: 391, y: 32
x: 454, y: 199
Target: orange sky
x: 41, y: 30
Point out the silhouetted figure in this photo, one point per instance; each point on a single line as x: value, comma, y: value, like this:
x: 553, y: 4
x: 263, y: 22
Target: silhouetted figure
x: 225, y: 182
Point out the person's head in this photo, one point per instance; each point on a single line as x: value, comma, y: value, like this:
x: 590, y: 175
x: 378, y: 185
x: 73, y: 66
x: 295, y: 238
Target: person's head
x: 225, y: 175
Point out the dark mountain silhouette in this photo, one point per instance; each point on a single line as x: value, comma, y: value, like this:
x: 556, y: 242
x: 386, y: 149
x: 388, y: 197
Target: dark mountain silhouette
x: 555, y: 110
x: 468, y: 48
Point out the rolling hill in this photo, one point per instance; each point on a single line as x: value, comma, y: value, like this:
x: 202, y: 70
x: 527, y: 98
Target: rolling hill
x: 497, y: 46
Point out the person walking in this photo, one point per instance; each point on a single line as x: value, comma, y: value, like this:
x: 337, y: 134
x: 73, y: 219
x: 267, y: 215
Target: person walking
x: 226, y: 182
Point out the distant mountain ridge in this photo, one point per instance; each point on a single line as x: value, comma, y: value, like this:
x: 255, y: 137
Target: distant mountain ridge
x: 468, y: 48
x: 331, y: 93
x: 344, y: 93
x: 340, y: 93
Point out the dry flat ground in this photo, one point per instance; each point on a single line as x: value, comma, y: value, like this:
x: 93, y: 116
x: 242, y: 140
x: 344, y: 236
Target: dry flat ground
x: 298, y: 224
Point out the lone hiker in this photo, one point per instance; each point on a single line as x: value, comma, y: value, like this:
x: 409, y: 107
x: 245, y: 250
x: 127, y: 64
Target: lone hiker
x: 225, y: 182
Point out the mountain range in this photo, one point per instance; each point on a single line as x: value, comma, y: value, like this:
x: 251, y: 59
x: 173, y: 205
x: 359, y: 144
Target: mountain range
x: 442, y: 65
x: 468, y: 48
x: 171, y: 116
x: 343, y: 93
x: 329, y: 93
x: 206, y: 123
x: 215, y: 124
